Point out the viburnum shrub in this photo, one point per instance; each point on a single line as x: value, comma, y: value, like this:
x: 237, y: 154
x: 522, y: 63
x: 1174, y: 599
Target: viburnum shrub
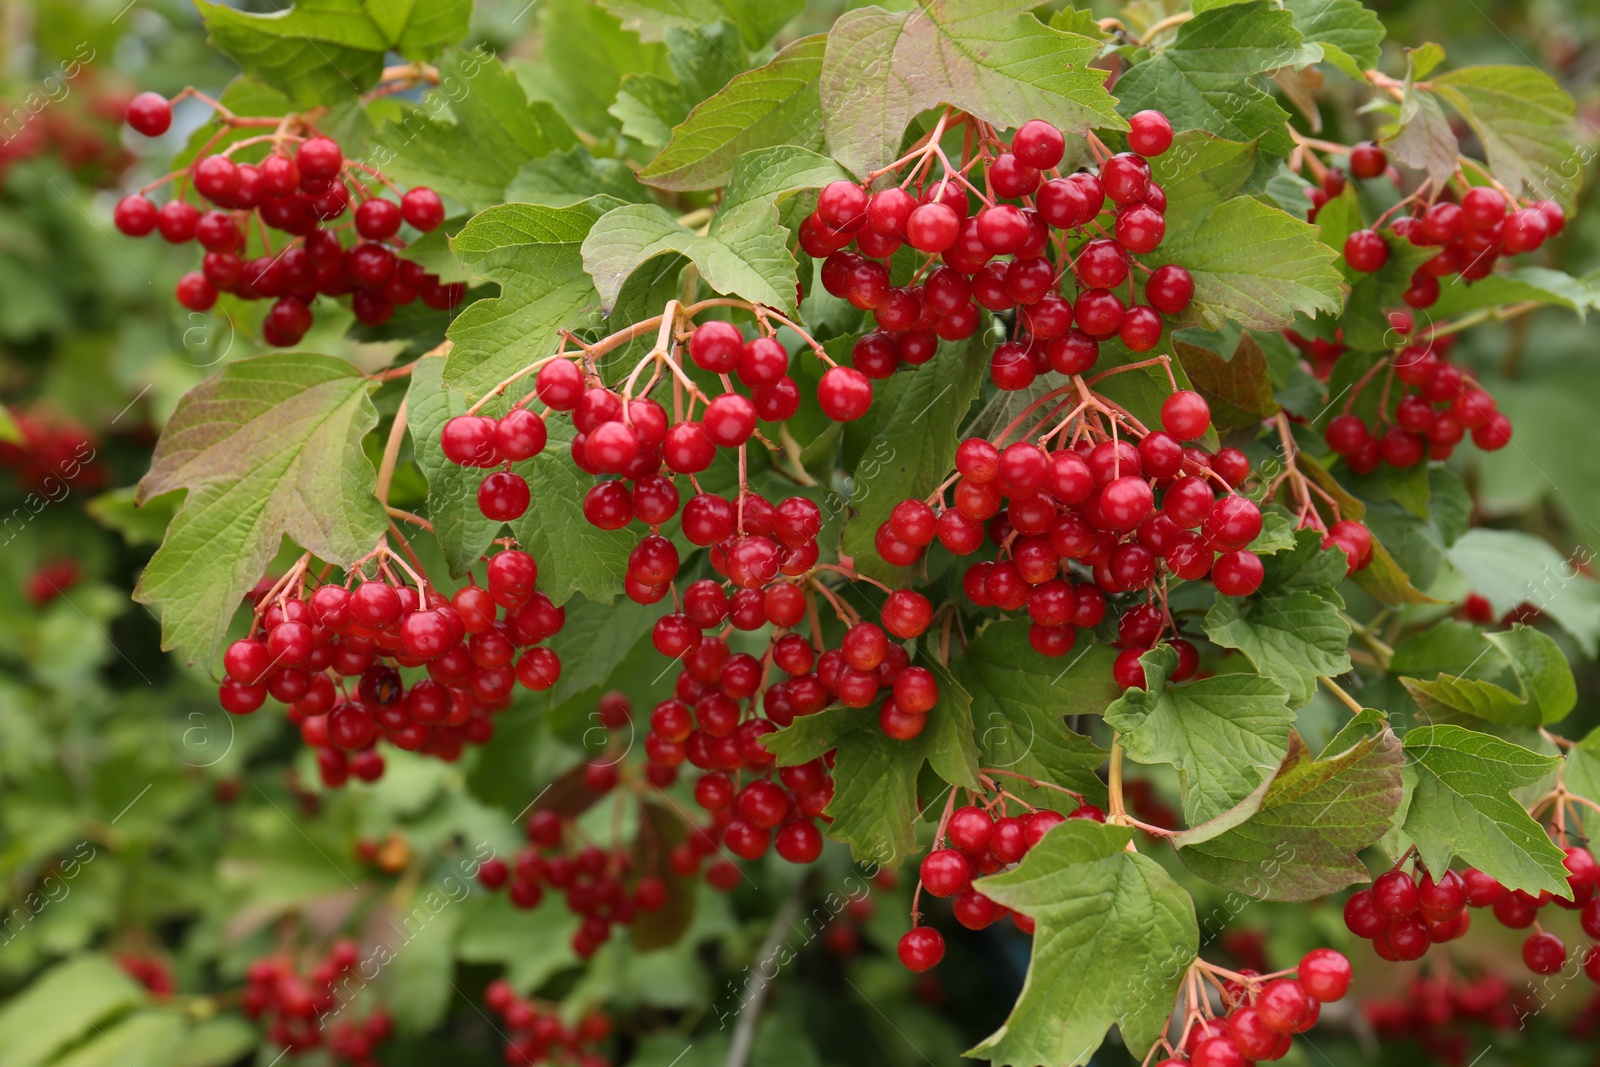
x: 970, y: 439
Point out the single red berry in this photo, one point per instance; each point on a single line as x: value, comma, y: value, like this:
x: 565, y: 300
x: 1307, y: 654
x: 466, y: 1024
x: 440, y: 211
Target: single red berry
x: 921, y: 949
x: 1149, y: 133
x: 1366, y: 250
x: 1325, y: 974
x: 1367, y: 160
x: 149, y: 114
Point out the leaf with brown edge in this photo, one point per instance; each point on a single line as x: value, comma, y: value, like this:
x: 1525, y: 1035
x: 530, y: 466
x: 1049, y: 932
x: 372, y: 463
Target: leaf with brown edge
x: 270, y: 448
x: 659, y: 831
x: 1239, y: 390
x: 1299, y: 835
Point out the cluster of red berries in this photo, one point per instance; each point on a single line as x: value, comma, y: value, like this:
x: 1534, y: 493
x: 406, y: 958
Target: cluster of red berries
x: 307, y: 648
x: 539, y: 1036
x: 1406, y: 912
x: 979, y: 844
x: 51, y: 580
x: 590, y: 879
x: 1264, y: 1015
x: 302, y: 195
x: 997, y: 258
x: 1439, y: 1011
x: 152, y: 972
x: 1471, y: 232
x: 84, y: 138
x: 53, y: 453
x: 1438, y: 406
x: 294, y: 1006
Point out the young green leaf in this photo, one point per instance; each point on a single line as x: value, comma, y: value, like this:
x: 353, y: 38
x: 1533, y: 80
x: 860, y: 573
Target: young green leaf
x: 561, y: 179
x: 990, y: 58
x: 1203, y: 79
x: 652, y: 20
x: 1461, y: 806
x: 496, y: 130
x: 1510, y: 568
x: 332, y: 49
x: 1292, y: 638
x: 1225, y: 735
x: 772, y: 105
x: 1019, y: 699
x: 535, y: 254
x: 1524, y: 120
x: 1252, y: 264
x: 584, y: 55
x: 270, y: 448
x: 1547, y: 692
x: 1299, y: 835
x: 1348, y: 32
x: 745, y: 254
x: 777, y: 172
x: 1114, y: 939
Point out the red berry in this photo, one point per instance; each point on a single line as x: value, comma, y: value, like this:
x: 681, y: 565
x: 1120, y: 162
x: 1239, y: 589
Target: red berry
x: 1395, y: 894
x: 1366, y: 250
x: 1325, y: 974
x: 1185, y: 415
x: 844, y: 393
x: 1367, y: 160
x: 1149, y: 134
x: 149, y: 114
x: 921, y: 949
x: 1038, y: 144
x: 1544, y: 953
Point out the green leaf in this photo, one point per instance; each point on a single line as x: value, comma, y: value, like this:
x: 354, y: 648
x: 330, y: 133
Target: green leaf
x: 562, y: 179
x: 217, y: 1042
x: 1349, y: 33
x: 1546, y: 690
x: 535, y: 254
x: 745, y: 254
x: 771, y: 105
x: 584, y: 55
x: 1538, y: 284
x: 1277, y: 533
x: 120, y: 510
x: 270, y: 448
x: 758, y: 20
x: 1582, y: 776
x: 907, y: 443
x: 143, y: 1039
x: 875, y: 802
x: 1114, y: 939
x: 1292, y: 638
x: 1299, y: 836
x: 1201, y: 170
x: 1238, y: 390
x: 534, y: 944
x: 1202, y: 80
x: 1510, y: 568
x: 1523, y: 119
x: 703, y: 60
x: 1225, y: 734
x: 1423, y: 139
x: 496, y: 130
x: 1421, y: 60
x: 1019, y: 698
x: 459, y: 525
x: 1461, y: 806
x: 574, y: 556
x: 1252, y: 264
x: 62, y: 1004
x: 990, y: 58
x: 320, y: 51
x: 774, y: 173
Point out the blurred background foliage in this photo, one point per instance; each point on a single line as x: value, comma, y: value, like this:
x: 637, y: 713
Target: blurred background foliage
x: 139, y: 821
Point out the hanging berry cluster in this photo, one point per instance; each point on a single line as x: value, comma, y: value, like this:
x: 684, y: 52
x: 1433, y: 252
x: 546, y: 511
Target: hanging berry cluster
x: 303, y: 188
x: 1407, y: 912
x: 335, y: 654
x: 295, y: 1005
x: 590, y: 879
x: 1034, y: 233
x: 539, y: 1036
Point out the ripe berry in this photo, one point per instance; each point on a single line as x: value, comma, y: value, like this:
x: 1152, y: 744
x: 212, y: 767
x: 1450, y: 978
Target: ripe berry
x: 844, y: 393
x: 932, y: 228
x: 945, y: 872
x: 1126, y: 178
x: 378, y: 219
x: 1038, y: 144
x: 921, y: 949
x: 1544, y: 953
x: 842, y: 206
x: 1140, y: 228
x: 1169, y: 289
x: 1185, y: 415
x: 1482, y: 207
x: 1325, y: 974
x: 1366, y: 250
x: 1237, y: 573
x: 1149, y: 134
x: 888, y: 211
x: 716, y: 346
x: 320, y: 157
x: 421, y: 207
x: 1284, y: 1005
x: 1395, y: 894
x: 1367, y: 160
x: 149, y: 114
